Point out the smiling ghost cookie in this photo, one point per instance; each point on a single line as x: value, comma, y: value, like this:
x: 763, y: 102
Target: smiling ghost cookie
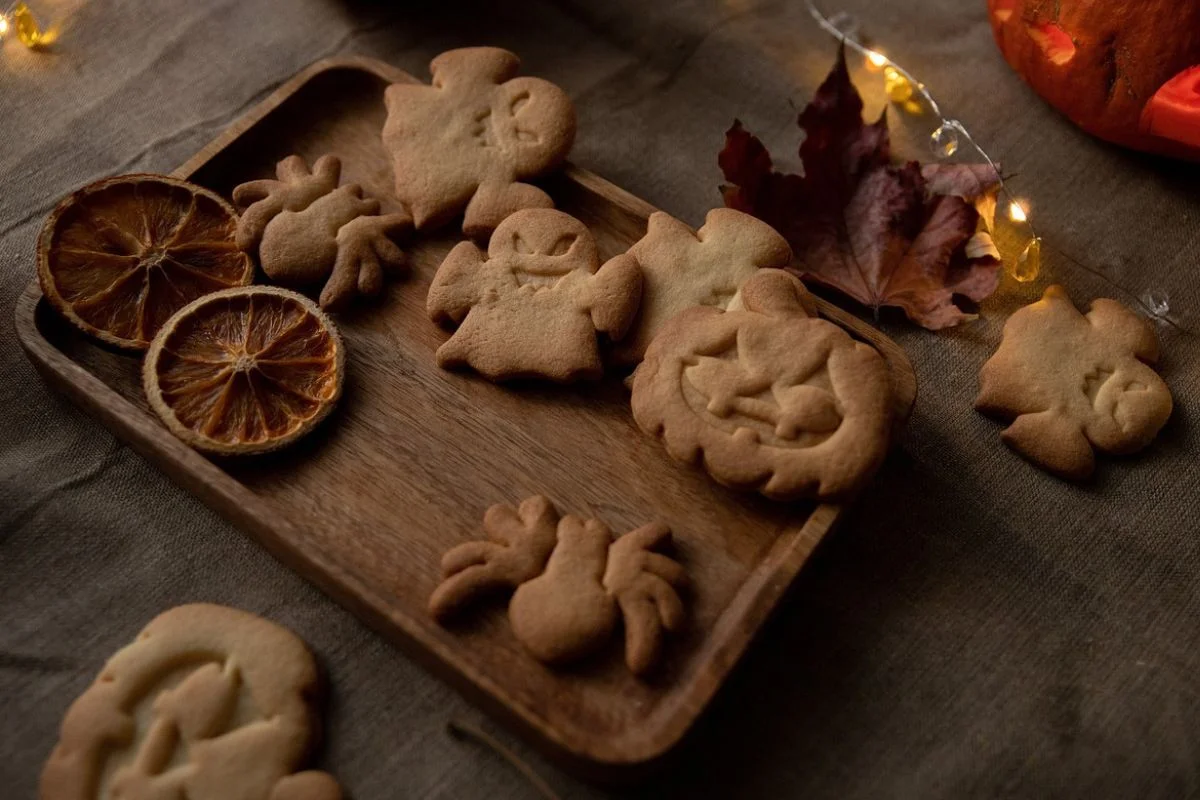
x: 466, y: 142
x: 766, y: 396
x: 208, y: 703
x: 682, y: 267
x: 1070, y: 382
x: 533, y: 305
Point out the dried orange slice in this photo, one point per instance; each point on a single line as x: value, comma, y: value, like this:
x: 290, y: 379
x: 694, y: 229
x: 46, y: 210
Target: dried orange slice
x: 244, y: 370
x: 118, y: 257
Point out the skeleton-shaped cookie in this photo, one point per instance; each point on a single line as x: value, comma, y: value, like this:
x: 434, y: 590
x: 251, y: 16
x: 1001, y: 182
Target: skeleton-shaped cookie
x: 573, y: 583
x: 468, y: 140
x: 682, y: 267
x: 209, y: 703
x: 306, y: 229
x: 535, y: 303
x: 766, y: 395
x: 1072, y: 382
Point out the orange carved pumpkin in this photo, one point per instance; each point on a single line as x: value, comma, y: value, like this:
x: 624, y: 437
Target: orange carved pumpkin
x: 1125, y: 70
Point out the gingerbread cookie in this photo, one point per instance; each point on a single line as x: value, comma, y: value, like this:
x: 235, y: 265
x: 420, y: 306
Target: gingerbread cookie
x: 535, y: 303
x: 766, y: 395
x: 306, y: 229
x: 682, y: 267
x: 467, y: 141
x: 573, y: 583
x: 1072, y: 382
x: 209, y: 703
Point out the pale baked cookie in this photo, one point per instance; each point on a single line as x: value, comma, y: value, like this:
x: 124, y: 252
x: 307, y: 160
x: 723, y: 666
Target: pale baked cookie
x: 766, y: 395
x: 682, y: 267
x: 1072, y: 382
x: 573, y: 583
x: 533, y: 305
x: 306, y: 229
x: 467, y: 141
x: 209, y: 703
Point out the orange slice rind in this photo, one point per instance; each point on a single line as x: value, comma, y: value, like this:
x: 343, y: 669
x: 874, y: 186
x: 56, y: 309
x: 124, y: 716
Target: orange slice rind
x: 118, y: 257
x: 245, y: 370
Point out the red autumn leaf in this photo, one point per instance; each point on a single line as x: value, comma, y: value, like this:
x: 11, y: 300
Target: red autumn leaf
x: 885, y: 234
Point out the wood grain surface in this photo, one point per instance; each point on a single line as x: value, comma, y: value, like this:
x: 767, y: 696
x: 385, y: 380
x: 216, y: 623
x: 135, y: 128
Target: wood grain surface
x: 405, y: 467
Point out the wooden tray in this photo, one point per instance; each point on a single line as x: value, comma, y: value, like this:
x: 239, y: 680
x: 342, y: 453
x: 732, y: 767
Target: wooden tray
x: 404, y: 469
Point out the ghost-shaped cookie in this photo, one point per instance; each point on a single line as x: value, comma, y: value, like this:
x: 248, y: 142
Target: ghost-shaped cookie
x: 682, y: 267
x: 466, y: 142
x: 1070, y: 382
x: 532, y: 306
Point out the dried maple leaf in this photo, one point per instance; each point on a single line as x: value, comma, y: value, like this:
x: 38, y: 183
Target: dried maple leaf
x: 886, y: 234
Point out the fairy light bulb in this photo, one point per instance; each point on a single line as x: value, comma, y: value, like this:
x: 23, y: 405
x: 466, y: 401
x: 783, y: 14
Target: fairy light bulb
x: 1029, y: 263
x: 944, y: 141
x: 1017, y: 213
x: 3, y: 25
x: 899, y: 89
x: 28, y: 30
x: 875, y: 60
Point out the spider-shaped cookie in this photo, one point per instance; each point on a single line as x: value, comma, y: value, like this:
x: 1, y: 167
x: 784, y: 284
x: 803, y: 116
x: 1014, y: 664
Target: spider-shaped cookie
x: 465, y: 143
x: 573, y: 582
x: 533, y: 305
x: 306, y: 229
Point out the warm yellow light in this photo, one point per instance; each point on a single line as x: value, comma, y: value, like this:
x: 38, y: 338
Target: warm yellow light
x: 1017, y: 212
x: 875, y: 59
x: 899, y: 89
x: 3, y: 24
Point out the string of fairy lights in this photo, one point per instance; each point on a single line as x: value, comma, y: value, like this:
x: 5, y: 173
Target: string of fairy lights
x: 19, y: 19
x: 912, y: 95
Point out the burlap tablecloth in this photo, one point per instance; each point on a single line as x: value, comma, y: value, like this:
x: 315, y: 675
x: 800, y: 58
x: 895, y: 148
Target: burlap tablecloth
x: 976, y: 629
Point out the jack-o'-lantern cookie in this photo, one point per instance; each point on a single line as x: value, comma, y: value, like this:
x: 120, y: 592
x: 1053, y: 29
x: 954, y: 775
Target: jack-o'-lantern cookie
x: 1071, y: 382
x: 208, y: 703
x: 682, y: 267
x: 467, y: 141
x: 533, y: 305
x: 766, y: 395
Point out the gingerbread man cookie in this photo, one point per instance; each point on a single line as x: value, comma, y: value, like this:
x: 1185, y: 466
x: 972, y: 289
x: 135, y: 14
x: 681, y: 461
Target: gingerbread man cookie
x: 1072, y: 382
x: 535, y: 303
x: 682, y: 267
x: 306, y: 229
x: 467, y: 141
x: 573, y: 583
x: 209, y: 703
x: 766, y: 395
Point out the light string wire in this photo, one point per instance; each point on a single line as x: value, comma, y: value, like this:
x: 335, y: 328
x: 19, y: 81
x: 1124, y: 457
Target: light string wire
x: 944, y: 140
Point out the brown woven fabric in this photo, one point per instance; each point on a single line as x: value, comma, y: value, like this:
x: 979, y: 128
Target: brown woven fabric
x: 977, y: 628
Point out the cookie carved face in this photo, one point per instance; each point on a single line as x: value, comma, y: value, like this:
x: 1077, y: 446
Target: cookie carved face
x: 539, y: 256
x: 766, y: 395
x: 1070, y: 382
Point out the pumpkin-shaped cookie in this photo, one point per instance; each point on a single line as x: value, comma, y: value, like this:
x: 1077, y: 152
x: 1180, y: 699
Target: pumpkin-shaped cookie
x: 766, y: 395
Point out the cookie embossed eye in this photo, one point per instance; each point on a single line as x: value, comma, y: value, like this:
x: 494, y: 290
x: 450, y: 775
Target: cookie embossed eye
x: 766, y: 396
x: 1070, y: 382
x: 306, y: 229
x: 467, y: 143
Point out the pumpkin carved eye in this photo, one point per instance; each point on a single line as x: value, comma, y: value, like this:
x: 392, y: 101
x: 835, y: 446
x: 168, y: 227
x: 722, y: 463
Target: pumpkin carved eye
x: 1002, y: 10
x: 1054, y: 41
